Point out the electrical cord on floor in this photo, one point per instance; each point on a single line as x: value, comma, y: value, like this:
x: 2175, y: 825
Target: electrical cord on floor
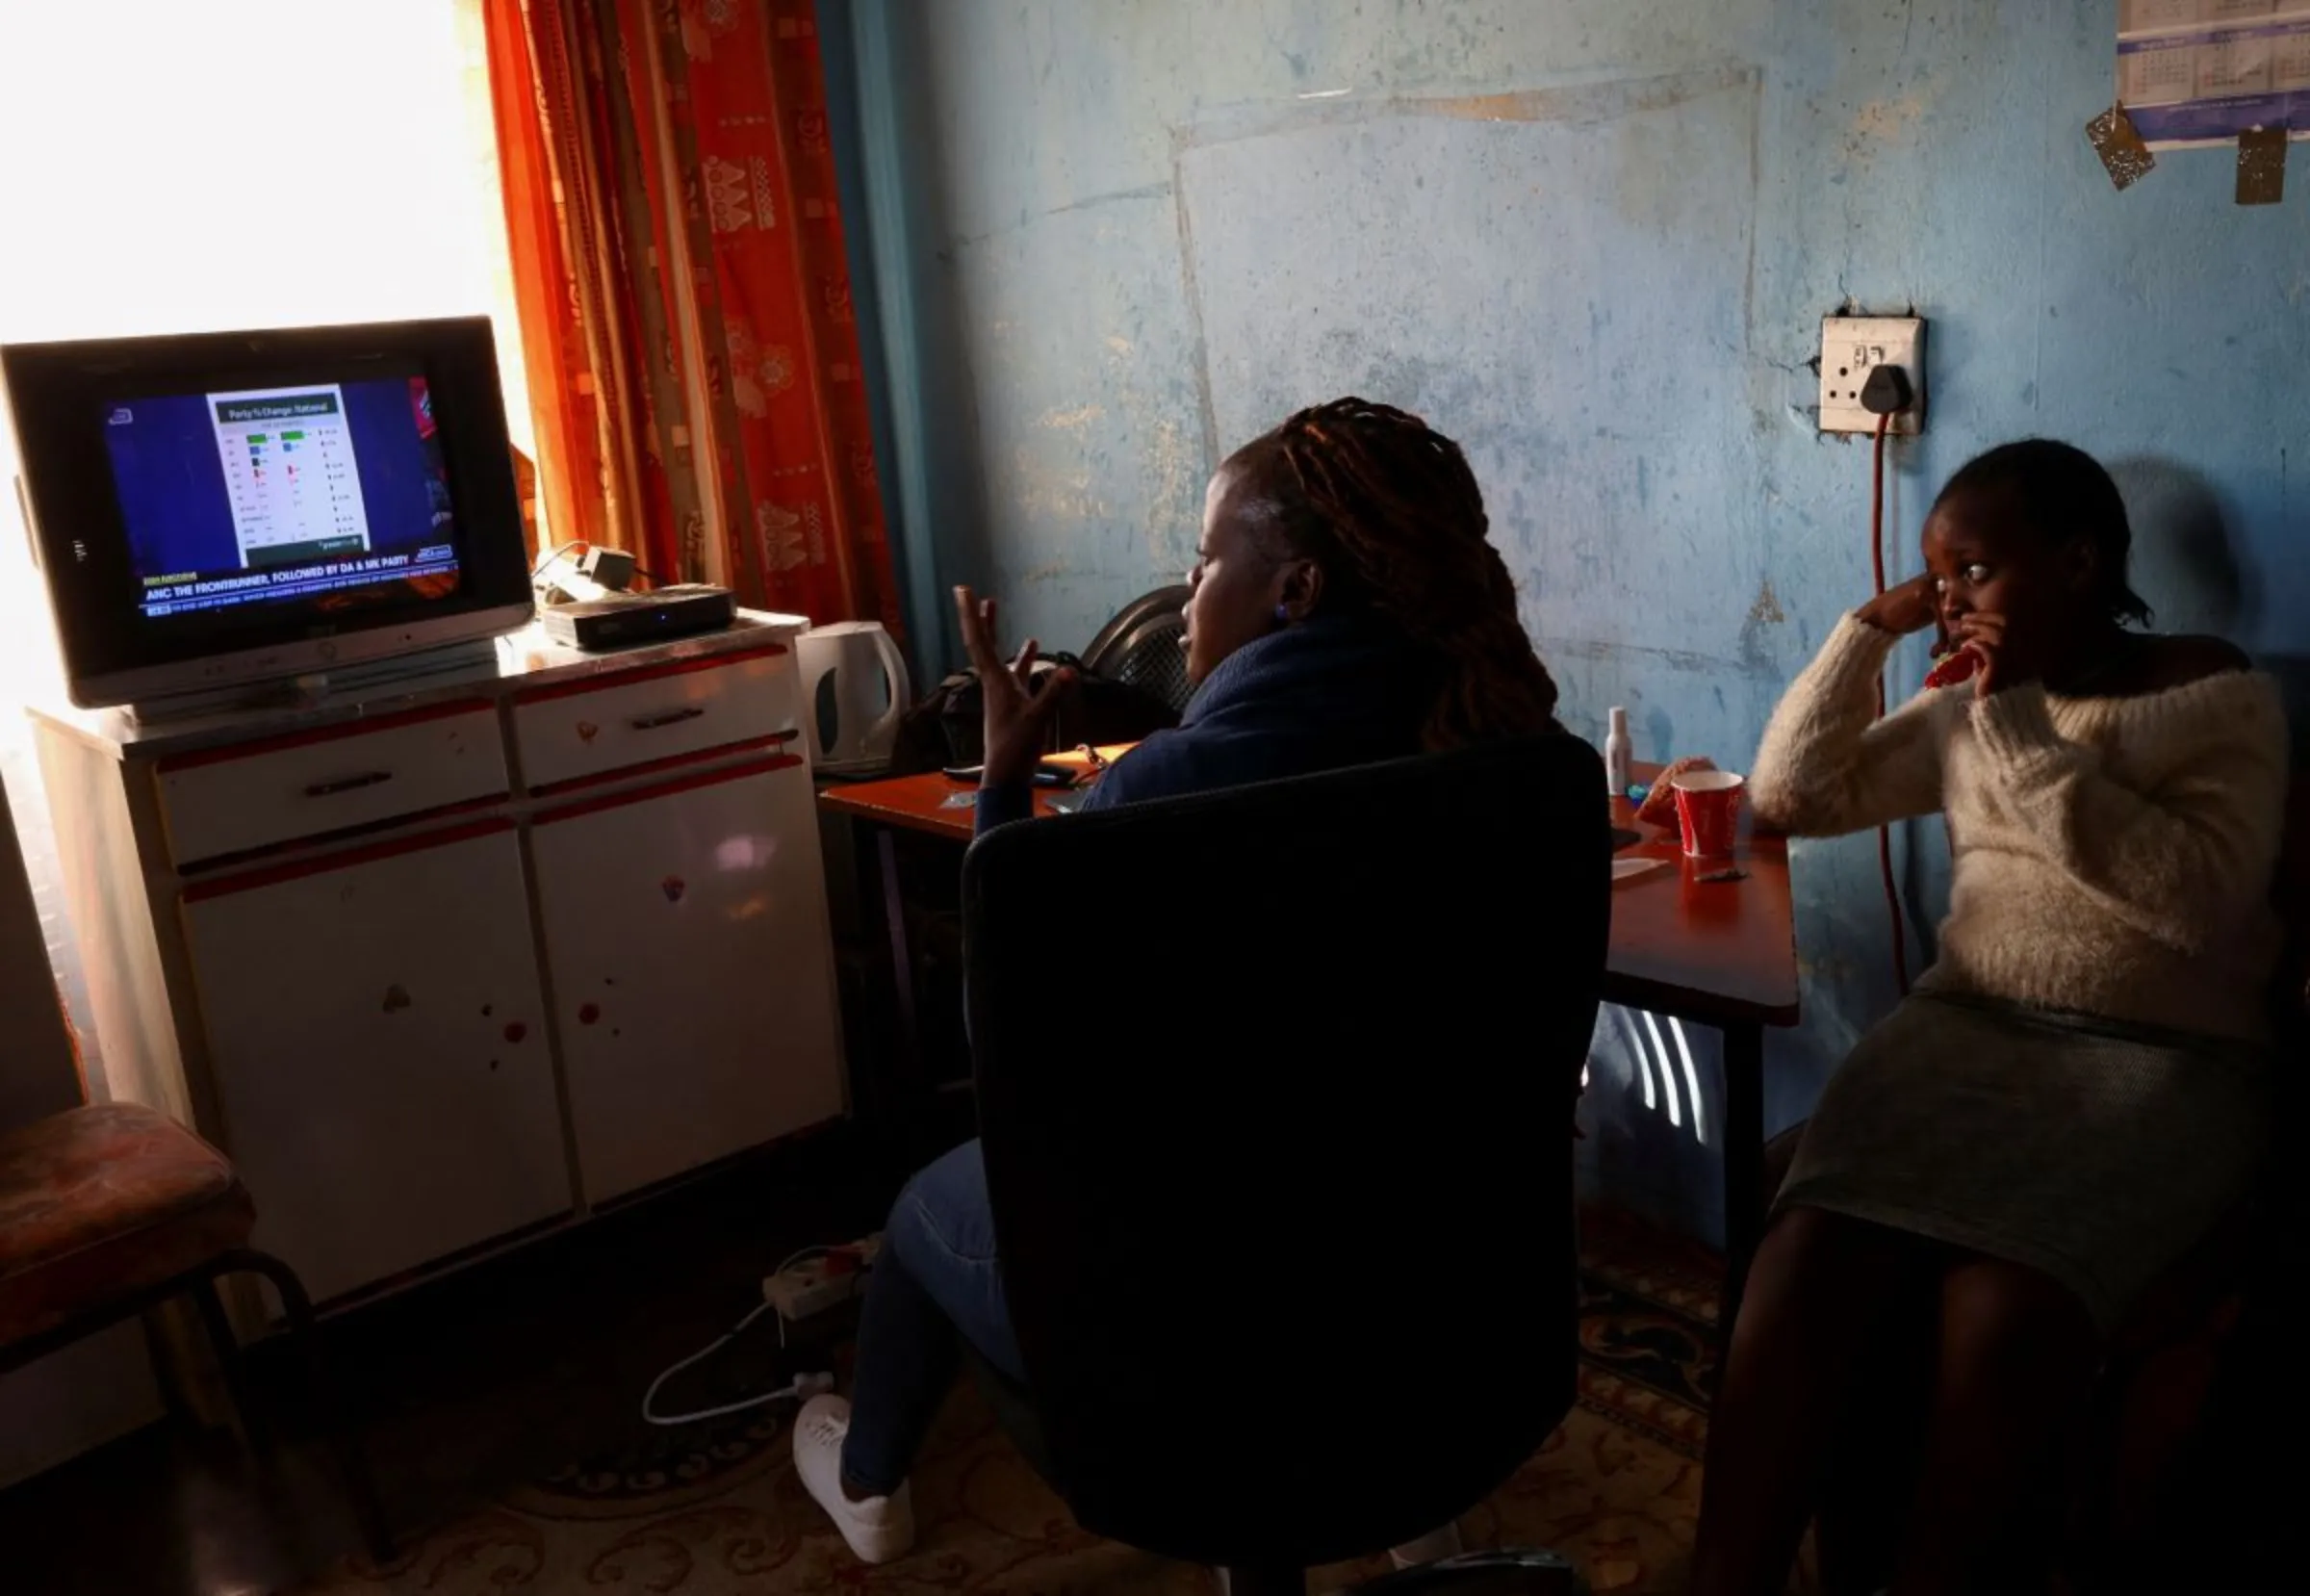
x: 1885, y: 833
x: 802, y: 1388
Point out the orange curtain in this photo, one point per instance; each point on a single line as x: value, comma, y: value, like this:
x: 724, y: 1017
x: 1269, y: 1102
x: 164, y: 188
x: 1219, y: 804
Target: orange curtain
x: 685, y: 296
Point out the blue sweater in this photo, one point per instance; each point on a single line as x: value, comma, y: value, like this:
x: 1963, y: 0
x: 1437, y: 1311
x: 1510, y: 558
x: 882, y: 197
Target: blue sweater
x: 1331, y: 693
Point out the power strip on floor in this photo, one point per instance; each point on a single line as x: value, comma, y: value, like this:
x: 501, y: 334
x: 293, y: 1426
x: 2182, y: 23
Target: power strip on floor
x: 807, y: 1287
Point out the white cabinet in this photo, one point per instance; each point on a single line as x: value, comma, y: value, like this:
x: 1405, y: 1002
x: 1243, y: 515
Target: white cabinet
x: 378, y: 1040
x: 686, y: 933
x: 328, y: 938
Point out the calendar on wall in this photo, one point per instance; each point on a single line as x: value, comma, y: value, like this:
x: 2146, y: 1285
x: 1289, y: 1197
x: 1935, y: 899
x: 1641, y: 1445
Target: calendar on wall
x: 2195, y: 72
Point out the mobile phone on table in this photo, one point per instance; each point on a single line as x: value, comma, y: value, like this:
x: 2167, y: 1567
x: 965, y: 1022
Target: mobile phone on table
x: 1048, y: 774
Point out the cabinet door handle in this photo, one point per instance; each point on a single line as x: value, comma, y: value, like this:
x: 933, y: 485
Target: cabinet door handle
x: 349, y: 783
x: 666, y: 717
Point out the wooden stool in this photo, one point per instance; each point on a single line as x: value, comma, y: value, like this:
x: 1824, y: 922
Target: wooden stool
x: 107, y: 1212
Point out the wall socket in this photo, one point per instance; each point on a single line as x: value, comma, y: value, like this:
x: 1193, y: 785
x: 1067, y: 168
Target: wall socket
x: 811, y: 1285
x: 1851, y: 345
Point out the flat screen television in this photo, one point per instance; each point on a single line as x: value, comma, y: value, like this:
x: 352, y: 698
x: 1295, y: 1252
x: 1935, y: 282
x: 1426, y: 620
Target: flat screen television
x: 224, y: 509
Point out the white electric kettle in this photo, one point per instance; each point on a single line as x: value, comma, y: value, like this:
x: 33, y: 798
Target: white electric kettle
x: 854, y: 689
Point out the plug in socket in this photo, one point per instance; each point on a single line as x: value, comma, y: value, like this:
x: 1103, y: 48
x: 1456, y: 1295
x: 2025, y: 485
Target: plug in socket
x: 1850, y: 347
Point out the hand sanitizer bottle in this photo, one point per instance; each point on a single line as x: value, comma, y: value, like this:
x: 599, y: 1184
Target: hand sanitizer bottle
x: 1616, y: 753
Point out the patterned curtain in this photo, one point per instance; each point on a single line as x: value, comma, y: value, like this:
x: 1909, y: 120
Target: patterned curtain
x: 684, y: 297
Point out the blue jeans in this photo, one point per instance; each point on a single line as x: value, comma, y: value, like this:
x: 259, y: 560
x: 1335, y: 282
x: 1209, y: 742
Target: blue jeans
x: 936, y: 1283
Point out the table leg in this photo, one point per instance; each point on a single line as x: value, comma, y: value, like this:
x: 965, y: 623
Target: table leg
x: 1744, y: 1163
x: 902, y: 958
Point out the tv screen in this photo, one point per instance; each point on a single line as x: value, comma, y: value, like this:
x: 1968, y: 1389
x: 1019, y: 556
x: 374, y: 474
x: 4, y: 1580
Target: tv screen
x: 332, y: 492
x: 229, y: 507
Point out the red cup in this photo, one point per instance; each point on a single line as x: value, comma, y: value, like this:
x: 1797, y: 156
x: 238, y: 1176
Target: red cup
x: 1707, y: 811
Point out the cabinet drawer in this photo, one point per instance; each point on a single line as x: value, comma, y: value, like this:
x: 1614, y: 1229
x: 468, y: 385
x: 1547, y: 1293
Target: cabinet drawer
x: 572, y: 733
x: 232, y: 800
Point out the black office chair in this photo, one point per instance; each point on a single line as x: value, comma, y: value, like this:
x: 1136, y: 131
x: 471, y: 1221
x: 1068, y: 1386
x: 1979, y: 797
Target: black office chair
x: 1141, y: 646
x: 1276, y: 1087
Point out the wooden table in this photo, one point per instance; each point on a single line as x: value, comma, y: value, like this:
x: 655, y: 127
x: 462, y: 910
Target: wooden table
x: 1714, y: 953
x: 925, y: 803
x: 1721, y: 954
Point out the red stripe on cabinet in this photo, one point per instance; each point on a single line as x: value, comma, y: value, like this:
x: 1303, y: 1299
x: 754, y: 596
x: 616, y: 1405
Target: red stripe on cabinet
x: 672, y: 762
x: 304, y: 868
x: 662, y: 789
x: 210, y: 863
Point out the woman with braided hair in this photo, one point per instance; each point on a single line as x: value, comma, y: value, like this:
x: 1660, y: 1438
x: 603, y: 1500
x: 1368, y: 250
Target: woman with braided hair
x: 1347, y: 607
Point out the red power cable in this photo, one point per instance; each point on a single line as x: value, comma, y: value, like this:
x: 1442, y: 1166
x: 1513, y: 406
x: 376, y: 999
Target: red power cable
x: 1885, y: 833
x: 1885, y: 424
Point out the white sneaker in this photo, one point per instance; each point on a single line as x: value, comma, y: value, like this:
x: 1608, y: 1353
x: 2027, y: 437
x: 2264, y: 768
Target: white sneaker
x: 879, y: 1529
x: 1436, y: 1543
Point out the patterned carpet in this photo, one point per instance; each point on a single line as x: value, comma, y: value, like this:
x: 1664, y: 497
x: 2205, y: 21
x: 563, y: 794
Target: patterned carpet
x: 718, y: 1512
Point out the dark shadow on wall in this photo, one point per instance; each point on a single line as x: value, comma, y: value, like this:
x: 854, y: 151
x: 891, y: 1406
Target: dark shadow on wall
x: 2186, y: 564
x: 2184, y: 558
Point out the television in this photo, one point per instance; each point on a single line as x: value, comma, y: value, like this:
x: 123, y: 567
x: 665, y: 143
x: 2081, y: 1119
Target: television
x: 220, y: 510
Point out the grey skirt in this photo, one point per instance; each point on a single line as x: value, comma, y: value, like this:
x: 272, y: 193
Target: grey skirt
x: 2090, y: 1150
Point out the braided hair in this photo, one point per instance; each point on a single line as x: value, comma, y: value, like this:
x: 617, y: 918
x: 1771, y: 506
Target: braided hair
x: 1388, y: 510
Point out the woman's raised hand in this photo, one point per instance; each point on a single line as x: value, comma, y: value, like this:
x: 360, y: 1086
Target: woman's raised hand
x: 1912, y: 606
x: 1017, y: 710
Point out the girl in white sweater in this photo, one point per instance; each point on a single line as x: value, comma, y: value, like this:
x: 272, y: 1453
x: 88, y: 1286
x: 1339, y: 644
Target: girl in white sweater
x: 2077, y: 1088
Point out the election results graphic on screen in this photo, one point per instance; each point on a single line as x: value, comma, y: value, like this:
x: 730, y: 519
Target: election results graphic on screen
x: 331, y: 494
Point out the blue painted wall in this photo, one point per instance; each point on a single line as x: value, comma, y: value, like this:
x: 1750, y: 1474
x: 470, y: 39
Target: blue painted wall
x: 1594, y: 240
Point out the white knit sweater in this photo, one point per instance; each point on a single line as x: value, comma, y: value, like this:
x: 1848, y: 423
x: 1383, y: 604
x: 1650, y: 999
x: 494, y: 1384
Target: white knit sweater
x: 2113, y: 856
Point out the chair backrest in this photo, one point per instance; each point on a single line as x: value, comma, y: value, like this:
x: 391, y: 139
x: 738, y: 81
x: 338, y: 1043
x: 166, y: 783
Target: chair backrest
x: 1276, y: 1088
x: 1141, y: 646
